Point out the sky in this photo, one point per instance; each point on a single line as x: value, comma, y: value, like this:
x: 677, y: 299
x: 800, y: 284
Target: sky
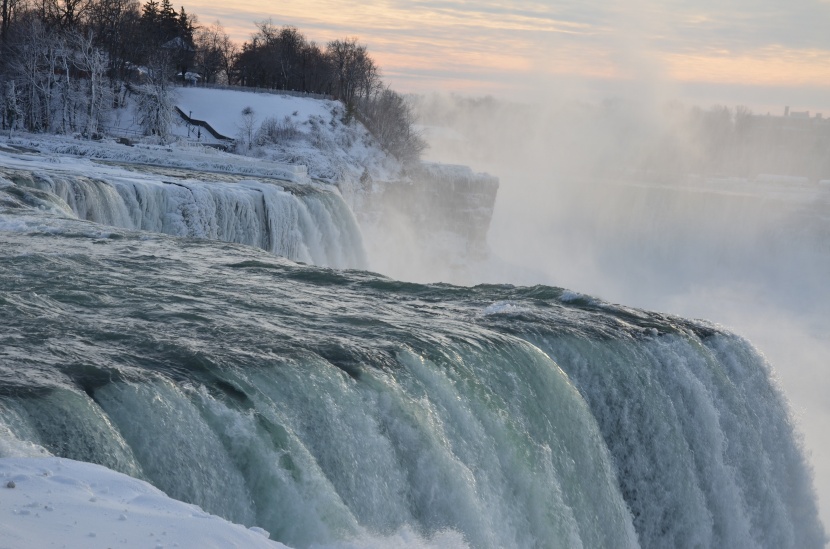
x: 764, y: 54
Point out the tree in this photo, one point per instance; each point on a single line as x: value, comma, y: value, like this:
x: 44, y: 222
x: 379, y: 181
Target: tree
x: 315, y: 70
x: 354, y: 73
x: 167, y: 23
x: 185, y: 26
x: 62, y: 61
x: 282, y: 58
x: 154, y: 104
x: 92, y: 63
x: 11, y: 111
x: 213, y: 52
x: 115, y: 24
x: 272, y: 58
x: 246, y: 127
x: 8, y: 10
x: 63, y: 14
x: 32, y: 64
x: 389, y: 118
x: 150, y: 13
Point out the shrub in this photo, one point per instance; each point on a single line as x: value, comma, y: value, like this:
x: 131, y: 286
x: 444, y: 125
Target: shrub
x: 274, y: 131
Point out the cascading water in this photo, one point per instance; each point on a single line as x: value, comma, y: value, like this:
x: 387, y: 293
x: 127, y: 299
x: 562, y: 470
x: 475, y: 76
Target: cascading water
x: 346, y: 409
x: 343, y: 408
x: 305, y: 223
x: 694, y: 426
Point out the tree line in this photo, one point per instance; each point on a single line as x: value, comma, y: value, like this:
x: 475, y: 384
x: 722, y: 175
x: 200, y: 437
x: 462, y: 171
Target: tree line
x: 65, y: 65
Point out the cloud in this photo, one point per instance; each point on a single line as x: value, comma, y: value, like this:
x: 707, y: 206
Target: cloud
x: 510, y: 47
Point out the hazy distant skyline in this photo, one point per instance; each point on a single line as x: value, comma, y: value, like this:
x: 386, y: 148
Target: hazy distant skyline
x: 762, y: 53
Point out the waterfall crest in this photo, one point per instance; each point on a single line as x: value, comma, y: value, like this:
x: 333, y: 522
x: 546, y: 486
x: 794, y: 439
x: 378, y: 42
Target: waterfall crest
x: 305, y: 223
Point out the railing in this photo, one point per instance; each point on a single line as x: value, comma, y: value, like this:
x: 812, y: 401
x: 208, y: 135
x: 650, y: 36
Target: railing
x: 125, y: 132
x: 202, y: 124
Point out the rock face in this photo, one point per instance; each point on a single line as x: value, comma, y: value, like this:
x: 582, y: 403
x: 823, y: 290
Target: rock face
x: 443, y: 201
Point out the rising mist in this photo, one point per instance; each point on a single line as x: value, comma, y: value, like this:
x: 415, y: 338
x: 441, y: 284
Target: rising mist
x: 713, y: 213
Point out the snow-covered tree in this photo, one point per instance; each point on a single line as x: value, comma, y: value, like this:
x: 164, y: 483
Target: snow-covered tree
x: 154, y: 102
x: 247, y: 124
x: 388, y: 116
x: 11, y: 112
x: 28, y: 63
x: 92, y: 63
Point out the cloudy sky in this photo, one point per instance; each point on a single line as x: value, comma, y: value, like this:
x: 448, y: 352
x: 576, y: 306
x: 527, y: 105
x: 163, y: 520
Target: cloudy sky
x: 761, y: 53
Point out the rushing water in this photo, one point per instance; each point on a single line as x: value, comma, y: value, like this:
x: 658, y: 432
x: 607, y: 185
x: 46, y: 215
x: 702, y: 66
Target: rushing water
x: 345, y: 408
x: 301, y: 222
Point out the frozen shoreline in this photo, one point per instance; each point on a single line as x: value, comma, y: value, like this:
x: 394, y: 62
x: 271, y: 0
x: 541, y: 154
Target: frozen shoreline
x: 57, y: 502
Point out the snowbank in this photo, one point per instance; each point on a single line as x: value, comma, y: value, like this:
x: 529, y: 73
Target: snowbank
x: 54, y: 502
x: 222, y: 109
x: 317, y: 134
x: 33, y: 151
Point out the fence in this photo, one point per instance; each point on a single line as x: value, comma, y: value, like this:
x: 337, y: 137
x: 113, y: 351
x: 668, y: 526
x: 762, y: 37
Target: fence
x: 292, y: 93
x: 203, y: 124
x: 122, y: 132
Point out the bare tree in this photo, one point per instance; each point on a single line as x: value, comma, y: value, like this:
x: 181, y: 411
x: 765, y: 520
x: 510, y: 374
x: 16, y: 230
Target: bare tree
x: 354, y: 73
x: 154, y: 105
x: 213, y: 50
x: 11, y: 112
x: 115, y: 24
x: 246, y: 127
x: 8, y: 11
x: 389, y: 118
x: 273, y: 58
x: 315, y: 70
x: 62, y: 14
x: 92, y: 64
x: 32, y: 64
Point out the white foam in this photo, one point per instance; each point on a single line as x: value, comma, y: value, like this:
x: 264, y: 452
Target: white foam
x: 505, y: 308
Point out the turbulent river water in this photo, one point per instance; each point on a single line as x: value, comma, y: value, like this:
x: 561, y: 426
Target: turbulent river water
x: 340, y: 407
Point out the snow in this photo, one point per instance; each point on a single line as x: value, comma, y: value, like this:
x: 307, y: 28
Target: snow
x: 326, y: 146
x: 333, y: 148
x: 54, y: 502
x: 32, y: 152
x: 203, y: 102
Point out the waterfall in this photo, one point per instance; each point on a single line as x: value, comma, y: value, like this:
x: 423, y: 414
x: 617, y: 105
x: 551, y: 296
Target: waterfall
x: 305, y: 223
x: 341, y: 408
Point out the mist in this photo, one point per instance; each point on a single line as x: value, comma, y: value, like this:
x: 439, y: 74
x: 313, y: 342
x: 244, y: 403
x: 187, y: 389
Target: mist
x: 713, y: 213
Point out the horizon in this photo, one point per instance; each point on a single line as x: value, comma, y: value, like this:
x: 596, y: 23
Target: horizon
x: 763, y: 56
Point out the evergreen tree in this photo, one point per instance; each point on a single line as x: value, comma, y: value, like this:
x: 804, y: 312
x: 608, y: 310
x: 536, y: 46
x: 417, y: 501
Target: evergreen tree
x: 168, y: 23
x: 150, y: 13
x: 186, y: 27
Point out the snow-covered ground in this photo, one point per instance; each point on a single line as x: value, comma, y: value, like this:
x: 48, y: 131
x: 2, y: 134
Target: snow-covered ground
x: 46, y: 501
x: 202, y: 103
x: 53, y: 502
x: 35, y: 150
x: 319, y: 135
x: 315, y: 133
